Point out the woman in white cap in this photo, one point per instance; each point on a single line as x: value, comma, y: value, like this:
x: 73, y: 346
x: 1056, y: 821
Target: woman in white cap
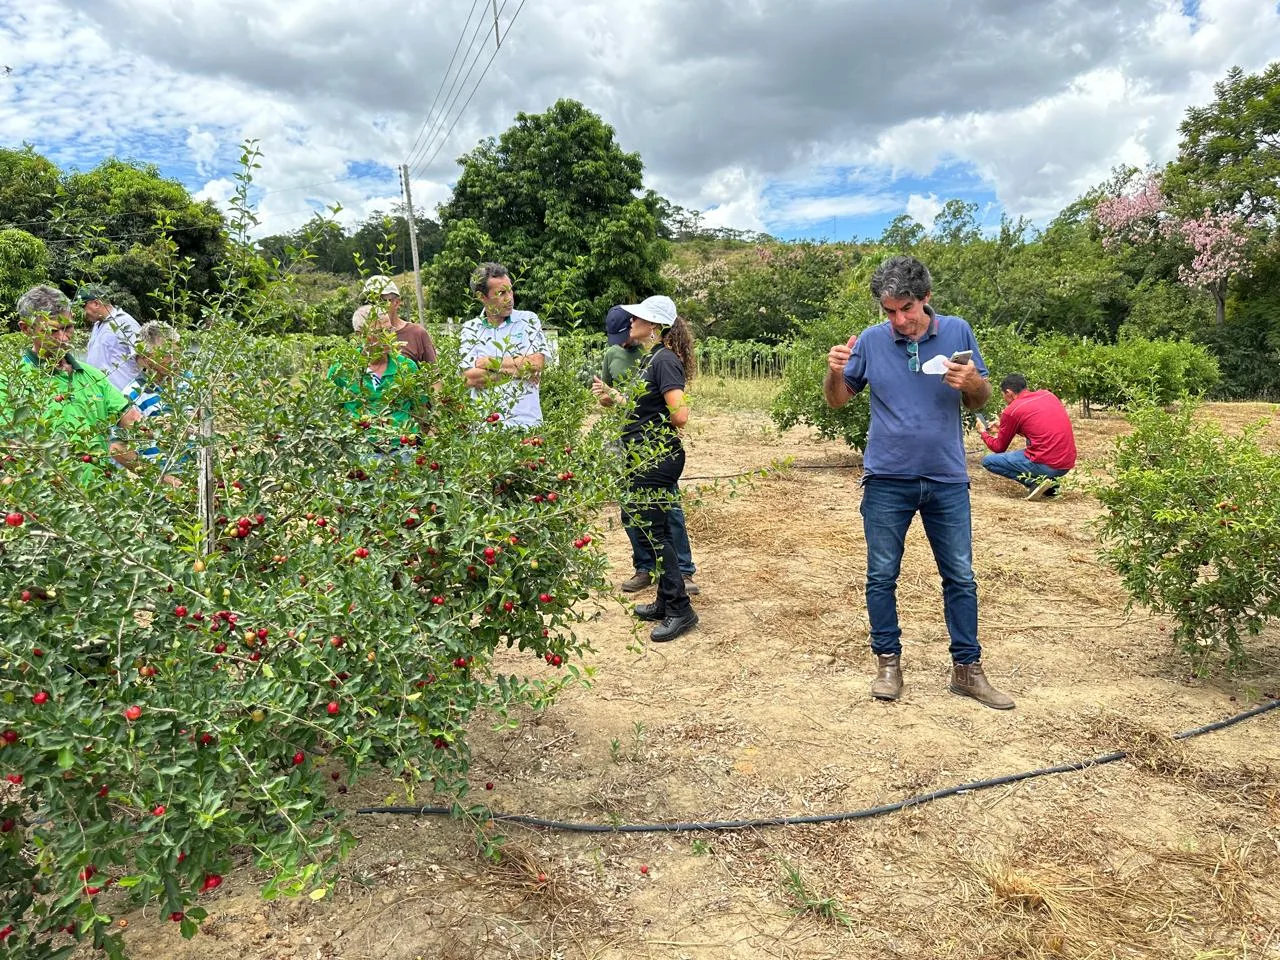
x: 659, y: 414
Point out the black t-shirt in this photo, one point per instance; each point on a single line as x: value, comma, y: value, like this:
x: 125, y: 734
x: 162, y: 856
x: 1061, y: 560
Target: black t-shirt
x: 650, y: 420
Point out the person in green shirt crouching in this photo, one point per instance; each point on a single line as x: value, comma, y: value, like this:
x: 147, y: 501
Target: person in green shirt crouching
x: 77, y: 402
x: 621, y: 361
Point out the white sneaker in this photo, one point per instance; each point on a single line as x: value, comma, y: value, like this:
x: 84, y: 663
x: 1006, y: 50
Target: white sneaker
x: 1043, y: 487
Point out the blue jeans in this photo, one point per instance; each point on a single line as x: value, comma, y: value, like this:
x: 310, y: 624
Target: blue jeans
x: 1017, y: 466
x: 643, y: 557
x: 888, y: 506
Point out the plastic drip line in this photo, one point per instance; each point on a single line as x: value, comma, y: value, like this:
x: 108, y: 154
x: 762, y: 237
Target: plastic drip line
x: 864, y: 814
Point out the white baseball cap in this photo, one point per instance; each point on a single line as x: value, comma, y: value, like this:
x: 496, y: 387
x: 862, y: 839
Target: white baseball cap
x: 381, y: 286
x: 660, y: 310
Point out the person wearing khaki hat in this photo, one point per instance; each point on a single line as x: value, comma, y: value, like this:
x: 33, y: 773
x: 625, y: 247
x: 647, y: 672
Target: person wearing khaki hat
x: 415, y: 341
x: 653, y: 427
x: 113, y: 339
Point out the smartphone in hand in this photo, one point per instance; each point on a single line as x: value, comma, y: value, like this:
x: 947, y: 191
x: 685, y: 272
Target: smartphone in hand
x: 962, y: 356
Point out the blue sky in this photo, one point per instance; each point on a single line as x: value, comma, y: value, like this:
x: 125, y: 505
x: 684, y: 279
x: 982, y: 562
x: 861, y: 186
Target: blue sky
x: 803, y: 118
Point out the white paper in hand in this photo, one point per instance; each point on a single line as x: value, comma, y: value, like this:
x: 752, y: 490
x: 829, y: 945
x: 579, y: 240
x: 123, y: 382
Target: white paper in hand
x: 935, y: 365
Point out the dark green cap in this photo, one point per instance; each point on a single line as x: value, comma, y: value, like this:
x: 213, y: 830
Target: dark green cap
x: 93, y: 292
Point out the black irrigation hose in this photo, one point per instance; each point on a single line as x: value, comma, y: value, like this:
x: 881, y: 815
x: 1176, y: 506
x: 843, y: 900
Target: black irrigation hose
x: 825, y: 817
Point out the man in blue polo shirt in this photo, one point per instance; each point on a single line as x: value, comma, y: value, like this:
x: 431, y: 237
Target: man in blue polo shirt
x: 914, y: 463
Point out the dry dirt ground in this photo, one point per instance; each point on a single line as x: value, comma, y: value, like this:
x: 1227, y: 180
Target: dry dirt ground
x: 764, y: 711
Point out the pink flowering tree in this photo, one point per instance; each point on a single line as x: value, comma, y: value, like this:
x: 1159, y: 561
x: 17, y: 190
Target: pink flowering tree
x: 1216, y: 242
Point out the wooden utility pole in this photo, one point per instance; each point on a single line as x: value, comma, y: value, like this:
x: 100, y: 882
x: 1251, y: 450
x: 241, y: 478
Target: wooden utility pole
x: 413, y: 240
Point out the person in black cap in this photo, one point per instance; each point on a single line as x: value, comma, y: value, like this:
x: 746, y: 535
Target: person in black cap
x: 621, y: 359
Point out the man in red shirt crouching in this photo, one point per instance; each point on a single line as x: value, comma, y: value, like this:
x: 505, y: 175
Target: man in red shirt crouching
x: 1051, y: 445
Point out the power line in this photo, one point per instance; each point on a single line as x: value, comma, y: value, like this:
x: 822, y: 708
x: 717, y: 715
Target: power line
x: 458, y: 116
x: 438, y: 123
x: 456, y: 47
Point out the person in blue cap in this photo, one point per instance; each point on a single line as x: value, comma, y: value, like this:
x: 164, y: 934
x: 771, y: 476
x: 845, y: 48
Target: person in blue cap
x: 621, y: 359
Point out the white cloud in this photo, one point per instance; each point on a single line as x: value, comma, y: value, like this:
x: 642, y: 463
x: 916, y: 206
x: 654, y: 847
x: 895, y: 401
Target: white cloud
x: 924, y: 210
x: 203, y: 146
x: 220, y: 191
x: 1040, y: 99
x: 733, y: 197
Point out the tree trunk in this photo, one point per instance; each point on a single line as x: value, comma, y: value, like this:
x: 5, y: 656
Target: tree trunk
x: 1220, y: 302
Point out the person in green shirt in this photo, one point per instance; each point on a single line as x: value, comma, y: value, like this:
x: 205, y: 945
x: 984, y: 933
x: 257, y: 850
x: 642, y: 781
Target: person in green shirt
x: 77, y: 401
x: 385, y: 371
x: 621, y: 360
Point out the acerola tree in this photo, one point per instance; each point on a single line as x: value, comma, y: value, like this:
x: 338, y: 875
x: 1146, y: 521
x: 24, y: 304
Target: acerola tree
x: 168, y: 695
x: 554, y: 188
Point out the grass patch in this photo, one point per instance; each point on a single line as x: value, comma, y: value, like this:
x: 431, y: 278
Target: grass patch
x: 721, y: 394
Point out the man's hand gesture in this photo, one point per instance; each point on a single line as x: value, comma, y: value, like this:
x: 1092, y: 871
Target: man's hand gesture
x: 838, y: 356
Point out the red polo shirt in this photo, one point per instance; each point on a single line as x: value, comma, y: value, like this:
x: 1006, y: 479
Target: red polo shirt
x: 1040, y: 417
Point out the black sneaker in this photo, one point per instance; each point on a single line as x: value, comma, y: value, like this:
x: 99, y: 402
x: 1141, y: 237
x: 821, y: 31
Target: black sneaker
x: 672, y: 627
x: 649, y: 611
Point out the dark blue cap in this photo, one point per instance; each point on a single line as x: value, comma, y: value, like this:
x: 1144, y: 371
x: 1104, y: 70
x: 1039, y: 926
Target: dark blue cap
x: 617, y: 326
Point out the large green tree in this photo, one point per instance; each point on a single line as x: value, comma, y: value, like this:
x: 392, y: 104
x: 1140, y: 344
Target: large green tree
x: 1229, y: 159
x: 558, y: 198
x: 121, y: 223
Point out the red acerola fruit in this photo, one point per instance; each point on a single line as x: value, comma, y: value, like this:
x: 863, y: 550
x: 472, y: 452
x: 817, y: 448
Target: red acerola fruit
x: 14, y: 519
x: 132, y: 713
x: 25, y: 596
x: 9, y: 736
x: 158, y: 811
x: 177, y: 916
x: 545, y: 598
x: 333, y: 708
x: 179, y: 611
x: 219, y: 648
x: 211, y: 882
x: 489, y: 785
x: 299, y: 758
x: 40, y: 699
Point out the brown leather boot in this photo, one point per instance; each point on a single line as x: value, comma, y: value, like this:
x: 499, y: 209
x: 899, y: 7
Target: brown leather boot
x: 888, y: 682
x: 968, y: 680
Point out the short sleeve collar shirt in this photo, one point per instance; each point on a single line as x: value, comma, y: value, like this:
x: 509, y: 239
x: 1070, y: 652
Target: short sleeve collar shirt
x: 517, y: 401
x: 916, y: 425
x: 111, y: 348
